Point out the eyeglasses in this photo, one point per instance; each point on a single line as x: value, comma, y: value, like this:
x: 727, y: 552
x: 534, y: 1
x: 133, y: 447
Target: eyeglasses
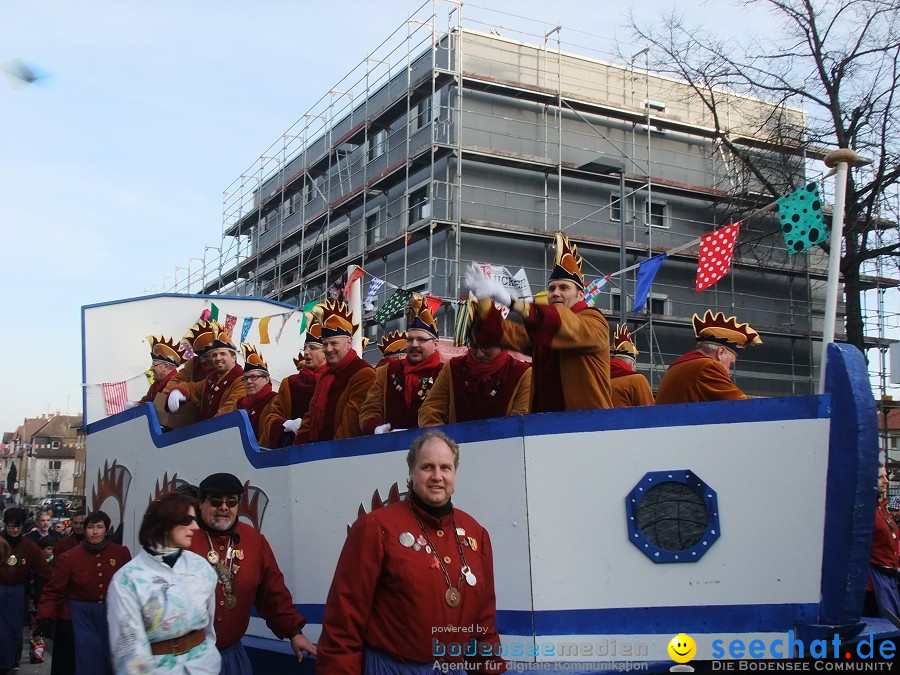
x: 189, y: 519
x: 253, y: 377
x: 230, y: 502
x: 419, y: 339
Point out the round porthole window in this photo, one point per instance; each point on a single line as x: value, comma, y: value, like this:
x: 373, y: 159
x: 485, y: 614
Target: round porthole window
x: 672, y: 516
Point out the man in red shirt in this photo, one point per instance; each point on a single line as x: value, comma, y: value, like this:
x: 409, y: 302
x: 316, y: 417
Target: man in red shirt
x: 884, y: 562
x: 248, y: 573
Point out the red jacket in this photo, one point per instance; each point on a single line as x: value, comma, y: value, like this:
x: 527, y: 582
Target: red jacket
x: 389, y: 596
x: 79, y: 574
x: 30, y: 561
x: 257, y: 581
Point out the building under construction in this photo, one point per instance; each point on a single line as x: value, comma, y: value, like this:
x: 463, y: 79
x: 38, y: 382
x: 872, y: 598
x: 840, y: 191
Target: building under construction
x: 457, y: 141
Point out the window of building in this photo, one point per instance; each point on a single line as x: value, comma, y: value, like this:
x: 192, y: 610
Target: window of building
x: 376, y: 144
x: 421, y: 115
x: 615, y: 212
x: 419, y: 204
x: 290, y: 206
x: 53, y: 487
x: 658, y: 304
x: 270, y: 219
x: 55, y: 464
x: 374, y: 228
x: 656, y: 214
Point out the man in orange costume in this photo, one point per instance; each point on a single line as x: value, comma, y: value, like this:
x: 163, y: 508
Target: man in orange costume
x: 342, y: 388
x: 291, y: 403
x: 401, y: 385
x: 568, y: 340
x: 703, y: 373
x: 165, y: 357
x: 629, y: 387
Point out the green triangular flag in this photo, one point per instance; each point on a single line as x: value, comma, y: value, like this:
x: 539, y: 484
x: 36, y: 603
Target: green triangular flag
x: 213, y: 312
x: 395, y: 304
x: 801, y: 218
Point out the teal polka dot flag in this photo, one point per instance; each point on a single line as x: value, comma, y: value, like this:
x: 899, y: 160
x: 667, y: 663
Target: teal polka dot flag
x: 801, y: 218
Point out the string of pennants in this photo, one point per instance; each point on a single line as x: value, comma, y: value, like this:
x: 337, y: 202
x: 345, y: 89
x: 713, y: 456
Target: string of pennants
x: 802, y: 225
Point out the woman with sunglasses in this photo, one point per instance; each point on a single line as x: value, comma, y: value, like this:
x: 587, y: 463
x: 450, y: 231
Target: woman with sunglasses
x: 24, y: 563
x: 161, y: 605
x: 74, y: 600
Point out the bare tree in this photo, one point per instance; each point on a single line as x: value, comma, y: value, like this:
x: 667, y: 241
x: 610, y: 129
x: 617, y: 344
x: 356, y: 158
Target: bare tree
x: 836, y: 61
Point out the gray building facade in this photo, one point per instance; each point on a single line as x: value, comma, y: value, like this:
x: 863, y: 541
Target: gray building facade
x: 450, y: 145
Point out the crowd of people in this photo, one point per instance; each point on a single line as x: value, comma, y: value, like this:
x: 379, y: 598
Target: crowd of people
x: 549, y: 355
x: 183, y: 602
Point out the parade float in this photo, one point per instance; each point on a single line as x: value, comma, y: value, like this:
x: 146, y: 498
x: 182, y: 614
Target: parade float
x: 613, y: 530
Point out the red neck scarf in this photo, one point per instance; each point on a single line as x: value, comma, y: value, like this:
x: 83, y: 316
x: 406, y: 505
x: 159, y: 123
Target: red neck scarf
x: 318, y: 406
x: 412, y: 373
x: 482, y: 375
x: 619, y: 367
x: 248, y: 401
x: 311, y: 375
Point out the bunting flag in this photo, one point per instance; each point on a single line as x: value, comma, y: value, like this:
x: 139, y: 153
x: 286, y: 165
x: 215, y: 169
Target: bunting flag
x: 245, y: 329
x: 434, y: 303
x: 336, y: 290
x: 395, y: 304
x: 801, y: 218
x: 369, y: 302
x: 264, y: 330
x: 593, y: 289
x: 115, y: 395
x: 716, y: 250
x: 150, y: 375
x: 303, y: 323
x: 283, y: 324
x: 464, y: 316
x: 188, y: 352
x: 646, y: 273
x: 213, y: 312
x: 230, y: 322
x: 354, y: 276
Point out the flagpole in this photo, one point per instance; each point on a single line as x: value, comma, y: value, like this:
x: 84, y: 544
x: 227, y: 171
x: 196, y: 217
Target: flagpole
x: 354, y: 299
x: 840, y: 160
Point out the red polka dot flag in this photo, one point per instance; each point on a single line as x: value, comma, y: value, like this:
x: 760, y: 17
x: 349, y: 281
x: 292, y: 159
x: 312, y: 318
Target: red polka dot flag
x: 716, y: 250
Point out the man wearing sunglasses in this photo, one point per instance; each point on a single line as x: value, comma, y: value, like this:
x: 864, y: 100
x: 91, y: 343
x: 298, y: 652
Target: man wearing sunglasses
x: 248, y: 575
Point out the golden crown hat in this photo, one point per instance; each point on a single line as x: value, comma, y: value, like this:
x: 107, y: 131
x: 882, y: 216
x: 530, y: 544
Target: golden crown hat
x: 336, y: 319
x: 623, y: 344
x: 726, y: 332
x: 313, y: 336
x: 200, y: 336
x: 393, y: 344
x: 222, y: 339
x: 567, y: 264
x: 165, y: 349
x: 253, y: 360
x: 419, y: 316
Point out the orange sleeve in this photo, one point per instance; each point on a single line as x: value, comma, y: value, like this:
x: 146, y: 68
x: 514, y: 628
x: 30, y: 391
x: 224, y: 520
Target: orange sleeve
x: 356, y: 391
x: 371, y: 414
x: 275, y: 415
x: 521, y: 402
x: 715, y: 384
x: 229, y: 402
x: 435, y: 409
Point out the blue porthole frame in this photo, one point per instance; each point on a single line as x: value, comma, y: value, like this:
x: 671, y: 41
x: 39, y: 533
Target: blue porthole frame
x: 660, y: 555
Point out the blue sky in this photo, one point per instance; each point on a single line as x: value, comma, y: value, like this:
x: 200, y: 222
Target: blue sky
x: 112, y: 168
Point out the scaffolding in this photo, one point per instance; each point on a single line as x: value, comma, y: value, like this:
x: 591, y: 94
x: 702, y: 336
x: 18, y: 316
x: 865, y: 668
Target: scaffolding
x: 455, y: 141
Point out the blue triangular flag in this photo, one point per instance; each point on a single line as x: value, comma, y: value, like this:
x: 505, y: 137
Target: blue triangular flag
x: 646, y: 273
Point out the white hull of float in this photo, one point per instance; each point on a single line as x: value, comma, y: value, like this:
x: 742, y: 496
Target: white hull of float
x: 787, y: 483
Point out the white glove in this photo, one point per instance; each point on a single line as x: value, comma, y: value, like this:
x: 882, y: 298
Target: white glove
x: 291, y: 426
x: 383, y: 428
x: 483, y: 287
x: 128, y: 405
x: 176, y: 398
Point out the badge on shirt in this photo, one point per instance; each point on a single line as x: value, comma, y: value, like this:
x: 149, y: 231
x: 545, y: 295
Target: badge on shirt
x: 112, y: 562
